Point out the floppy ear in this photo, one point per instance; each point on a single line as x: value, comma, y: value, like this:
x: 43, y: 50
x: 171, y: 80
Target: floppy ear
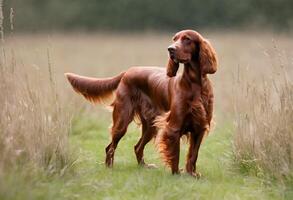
x: 207, y: 58
x: 172, y: 68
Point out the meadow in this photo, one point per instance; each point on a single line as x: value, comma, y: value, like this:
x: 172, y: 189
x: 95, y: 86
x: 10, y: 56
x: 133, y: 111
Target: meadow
x: 52, y: 141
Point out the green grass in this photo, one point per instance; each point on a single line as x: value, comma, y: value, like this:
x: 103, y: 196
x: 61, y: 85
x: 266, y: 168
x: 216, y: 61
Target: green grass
x: 91, y: 180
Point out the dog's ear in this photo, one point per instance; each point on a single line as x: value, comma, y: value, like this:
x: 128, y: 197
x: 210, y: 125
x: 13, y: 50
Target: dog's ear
x: 207, y: 58
x: 172, y: 68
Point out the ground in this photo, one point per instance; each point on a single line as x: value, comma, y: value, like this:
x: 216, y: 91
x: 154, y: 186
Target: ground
x: 221, y: 179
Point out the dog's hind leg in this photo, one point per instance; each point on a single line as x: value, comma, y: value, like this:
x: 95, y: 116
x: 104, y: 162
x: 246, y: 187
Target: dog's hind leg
x: 148, y: 132
x: 122, y: 116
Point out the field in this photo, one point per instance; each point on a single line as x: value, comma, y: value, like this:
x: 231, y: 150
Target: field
x: 78, y: 131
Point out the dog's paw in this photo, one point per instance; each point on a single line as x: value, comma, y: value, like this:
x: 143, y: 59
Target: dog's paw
x: 196, y: 175
x: 150, y: 166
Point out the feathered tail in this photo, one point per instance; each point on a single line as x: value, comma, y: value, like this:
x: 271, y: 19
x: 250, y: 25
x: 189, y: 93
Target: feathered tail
x: 94, y: 89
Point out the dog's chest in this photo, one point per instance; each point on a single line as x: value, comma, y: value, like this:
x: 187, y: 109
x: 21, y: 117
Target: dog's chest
x: 196, y: 115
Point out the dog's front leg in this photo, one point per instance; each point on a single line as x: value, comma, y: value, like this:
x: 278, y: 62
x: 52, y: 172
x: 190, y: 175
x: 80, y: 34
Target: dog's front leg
x: 169, y: 145
x: 195, y: 142
x: 170, y: 148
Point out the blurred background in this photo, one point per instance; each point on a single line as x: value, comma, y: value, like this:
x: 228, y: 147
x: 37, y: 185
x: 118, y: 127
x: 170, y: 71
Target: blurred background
x: 164, y: 15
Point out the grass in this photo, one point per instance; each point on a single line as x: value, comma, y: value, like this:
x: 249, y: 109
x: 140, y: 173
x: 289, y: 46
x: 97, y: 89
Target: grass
x: 91, y: 180
x: 128, y: 181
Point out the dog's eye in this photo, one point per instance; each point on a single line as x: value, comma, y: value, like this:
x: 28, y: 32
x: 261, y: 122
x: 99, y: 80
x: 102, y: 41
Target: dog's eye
x: 187, y: 41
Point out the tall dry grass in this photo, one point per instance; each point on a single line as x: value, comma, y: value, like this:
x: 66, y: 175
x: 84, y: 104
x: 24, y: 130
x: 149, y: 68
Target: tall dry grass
x: 35, y: 122
x: 263, y: 141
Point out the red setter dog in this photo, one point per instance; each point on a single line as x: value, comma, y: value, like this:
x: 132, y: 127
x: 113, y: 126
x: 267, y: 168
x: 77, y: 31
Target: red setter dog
x: 149, y: 92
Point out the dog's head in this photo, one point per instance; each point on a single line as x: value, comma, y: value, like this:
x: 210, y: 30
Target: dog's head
x: 189, y: 46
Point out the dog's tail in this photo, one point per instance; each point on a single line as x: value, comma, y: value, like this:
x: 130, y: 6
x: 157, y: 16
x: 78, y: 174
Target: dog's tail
x: 94, y: 89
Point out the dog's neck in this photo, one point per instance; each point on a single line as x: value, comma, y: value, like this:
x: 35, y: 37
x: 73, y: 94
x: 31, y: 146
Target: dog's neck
x: 191, y: 74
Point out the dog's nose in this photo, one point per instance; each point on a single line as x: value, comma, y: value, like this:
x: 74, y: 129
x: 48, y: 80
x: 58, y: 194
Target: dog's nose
x: 171, y: 49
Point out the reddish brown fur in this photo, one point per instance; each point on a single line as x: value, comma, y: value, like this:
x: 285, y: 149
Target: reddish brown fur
x: 94, y: 89
x: 185, y: 102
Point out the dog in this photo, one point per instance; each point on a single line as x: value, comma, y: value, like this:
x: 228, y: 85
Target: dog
x: 176, y: 105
